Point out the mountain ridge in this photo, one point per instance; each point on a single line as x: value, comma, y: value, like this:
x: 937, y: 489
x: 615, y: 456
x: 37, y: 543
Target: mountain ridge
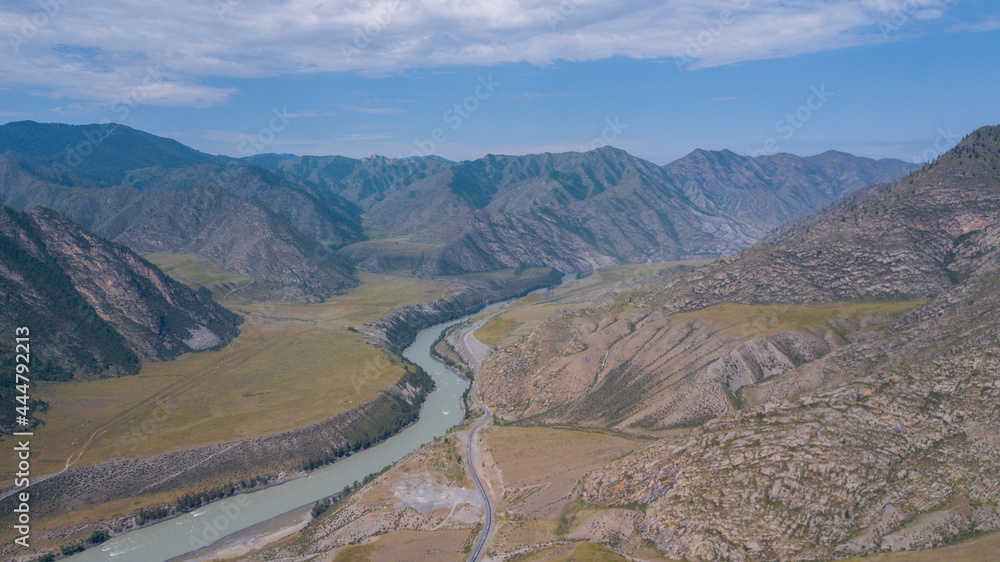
x: 826, y: 393
x: 571, y: 211
x: 485, y: 211
x: 95, y: 308
x: 100, y: 152
x: 274, y: 228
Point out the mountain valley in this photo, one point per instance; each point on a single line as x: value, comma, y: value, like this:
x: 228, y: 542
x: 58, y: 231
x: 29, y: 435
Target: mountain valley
x: 816, y: 332
x: 825, y: 394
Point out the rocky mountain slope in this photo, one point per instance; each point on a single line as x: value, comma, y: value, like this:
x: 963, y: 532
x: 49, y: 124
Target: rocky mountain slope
x: 821, y: 431
x: 626, y: 369
x: 155, y: 317
x: 773, y: 190
x: 889, y: 247
x: 900, y: 456
x: 251, y: 221
x: 892, y: 241
x: 571, y: 211
x: 97, y: 153
x: 95, y: 308
x: 578, y: 211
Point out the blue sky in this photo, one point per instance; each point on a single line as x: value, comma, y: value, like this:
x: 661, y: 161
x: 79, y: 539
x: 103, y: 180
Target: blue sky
x: 460, y: 79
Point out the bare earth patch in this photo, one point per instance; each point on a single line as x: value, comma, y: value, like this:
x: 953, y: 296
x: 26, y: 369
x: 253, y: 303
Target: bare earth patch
x: 535, y: 472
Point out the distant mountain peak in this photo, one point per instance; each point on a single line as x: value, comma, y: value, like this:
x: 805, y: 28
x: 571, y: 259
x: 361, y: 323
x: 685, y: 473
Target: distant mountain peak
x: 569, y: 210
x: 899, y: 240
x: 101, y: 152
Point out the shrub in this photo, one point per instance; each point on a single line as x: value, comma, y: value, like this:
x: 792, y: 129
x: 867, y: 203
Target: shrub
x: 320, y: 507
x: 97, y: 537
x: 68, y: 549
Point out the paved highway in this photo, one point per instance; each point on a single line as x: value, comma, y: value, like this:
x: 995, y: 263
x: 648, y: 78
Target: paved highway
x: 478, y: 353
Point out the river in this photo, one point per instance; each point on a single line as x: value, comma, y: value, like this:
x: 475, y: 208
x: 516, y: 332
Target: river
x: 441, y: 411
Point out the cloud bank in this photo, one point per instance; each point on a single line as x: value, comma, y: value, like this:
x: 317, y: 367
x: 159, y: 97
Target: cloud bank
x: 95, y: 52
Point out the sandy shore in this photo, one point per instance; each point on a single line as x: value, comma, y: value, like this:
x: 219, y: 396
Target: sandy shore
x: 252, y: 538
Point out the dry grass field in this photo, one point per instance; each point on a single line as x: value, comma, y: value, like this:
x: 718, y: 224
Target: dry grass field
x: 764, y: 320
x: 575, y: 552
x: 192, y: 269
x: 396, y: 246
x: 292, y: 365
x: 443, y: 545
x: 534, y: 471
x: 538, y: 467
x: 504, y: 329
x: 982, y: 549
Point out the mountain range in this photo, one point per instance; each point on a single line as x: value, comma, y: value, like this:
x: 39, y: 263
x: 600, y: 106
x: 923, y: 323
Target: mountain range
x: 296, y: 222
x: 825, y: 368
x: 576, y: 211
x: 154, y: 194
x: 839, y: 377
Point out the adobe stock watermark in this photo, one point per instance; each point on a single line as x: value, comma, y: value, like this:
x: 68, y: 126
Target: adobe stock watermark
x: 946, y: 140
x: 215, y: 527
x: 122, y: 108
x: 611, y: 132
x: 224, y: 7
x: 255, y: 144
x: 903, y: 15
x: 30, y: 27
x: 366, y: 374
x: 697, y: 44
x: 456, y: 116
x: 380, y: 17
x: 363, y: 375
x: 789, y: 125
x: 562, y: 12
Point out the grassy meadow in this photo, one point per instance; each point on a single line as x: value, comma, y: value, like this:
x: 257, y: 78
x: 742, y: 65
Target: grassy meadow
x: 293, y: 364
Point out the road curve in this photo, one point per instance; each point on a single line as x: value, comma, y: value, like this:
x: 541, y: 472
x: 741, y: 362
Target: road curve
x: 477, y: 352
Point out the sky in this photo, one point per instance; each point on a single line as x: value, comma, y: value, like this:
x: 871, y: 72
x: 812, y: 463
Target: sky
x: 461, y: 79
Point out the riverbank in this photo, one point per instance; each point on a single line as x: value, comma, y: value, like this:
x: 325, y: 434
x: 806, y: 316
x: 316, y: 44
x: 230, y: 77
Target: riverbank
x: 109, y: 506
x: 160, y: 542
x: 257, y: 537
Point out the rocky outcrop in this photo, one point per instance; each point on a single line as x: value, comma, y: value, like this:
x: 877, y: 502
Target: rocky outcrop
x: 763, y: 358
x: 902, y: 457
x: 636, y: 371
x: 97, y: 307
x: 880, y: 438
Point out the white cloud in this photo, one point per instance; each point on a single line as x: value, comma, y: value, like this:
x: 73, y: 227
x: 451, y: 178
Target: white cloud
x: 95, y: 52
x: 989, y: 24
